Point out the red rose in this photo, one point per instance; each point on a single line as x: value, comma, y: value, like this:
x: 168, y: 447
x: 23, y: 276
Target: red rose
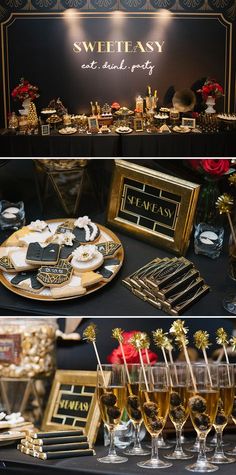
x: 131, y: 355
x: 215, y: 167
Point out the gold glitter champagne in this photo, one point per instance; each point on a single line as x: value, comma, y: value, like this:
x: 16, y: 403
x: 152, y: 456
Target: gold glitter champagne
x: 111, y: 396
x: 111, y: 403
x: 154, y: 397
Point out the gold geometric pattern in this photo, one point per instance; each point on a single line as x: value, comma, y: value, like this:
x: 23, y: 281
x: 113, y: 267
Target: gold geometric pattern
x: 55, y: 275
x: 6, y: 264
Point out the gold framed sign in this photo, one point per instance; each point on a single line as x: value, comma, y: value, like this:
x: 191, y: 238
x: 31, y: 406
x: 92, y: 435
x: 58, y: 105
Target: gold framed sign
x: 152, y: 205
x: 73, y: 404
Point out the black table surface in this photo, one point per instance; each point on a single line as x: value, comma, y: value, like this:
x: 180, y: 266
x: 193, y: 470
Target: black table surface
x: 17, y: 182
x: 114, y: 299
x: 18, y: 463
x: 140, y: 144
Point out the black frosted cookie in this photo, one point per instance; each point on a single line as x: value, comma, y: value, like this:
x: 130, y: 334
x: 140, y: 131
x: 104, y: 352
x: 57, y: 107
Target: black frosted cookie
x: 28, y: 281
x: 106, y: 273
x: 108, y: 249
x: 55, y: 276
x: 66, y: 251
x: 36, y: 254
x: 88, y: 234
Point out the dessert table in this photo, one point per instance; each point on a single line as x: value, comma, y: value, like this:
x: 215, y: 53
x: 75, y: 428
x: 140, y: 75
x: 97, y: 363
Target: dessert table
x: 137, y: 144
x: 17, y: 463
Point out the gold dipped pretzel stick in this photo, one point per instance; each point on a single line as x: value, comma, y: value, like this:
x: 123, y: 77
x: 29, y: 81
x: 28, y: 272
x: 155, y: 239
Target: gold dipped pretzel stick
x: 225, y: 204
x: 161, y: 341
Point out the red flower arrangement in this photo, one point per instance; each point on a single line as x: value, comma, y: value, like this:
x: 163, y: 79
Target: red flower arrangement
x: 131, y: 355
x: 211, y: 88
x: 215, y: 167
x: 25, y: 90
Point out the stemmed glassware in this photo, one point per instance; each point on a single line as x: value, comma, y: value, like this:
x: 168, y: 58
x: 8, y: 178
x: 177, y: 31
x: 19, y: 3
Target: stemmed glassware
x: 225, y: 405
x: 111, y: 395
x: 179, y: 410
x: 154, y: 396
x: 134, y: 410
x: 203, y: 394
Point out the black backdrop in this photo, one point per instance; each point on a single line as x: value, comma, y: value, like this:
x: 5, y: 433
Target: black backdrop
x: 40, y: 37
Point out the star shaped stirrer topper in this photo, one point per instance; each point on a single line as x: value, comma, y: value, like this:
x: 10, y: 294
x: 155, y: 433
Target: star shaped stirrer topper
x: 225, y: 204
x: 139, y: 342
x: 201, y: 339
x: 90, y: 334
x: 222, y: 340
x: 117, y: 334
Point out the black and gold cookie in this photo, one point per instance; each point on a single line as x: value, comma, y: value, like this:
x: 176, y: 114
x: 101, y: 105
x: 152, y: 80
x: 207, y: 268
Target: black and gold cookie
x: 108, y: 249
x: 6, y: 265
x: 55, y: 276
x: 27, y: 281
x: 66, y: 251
x: 65, y: 227
x: 36, y: 254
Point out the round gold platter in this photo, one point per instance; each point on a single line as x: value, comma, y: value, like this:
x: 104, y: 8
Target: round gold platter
x: 106, y: 235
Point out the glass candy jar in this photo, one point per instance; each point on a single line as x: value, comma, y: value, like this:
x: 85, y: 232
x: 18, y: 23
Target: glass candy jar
x: 27, y: 348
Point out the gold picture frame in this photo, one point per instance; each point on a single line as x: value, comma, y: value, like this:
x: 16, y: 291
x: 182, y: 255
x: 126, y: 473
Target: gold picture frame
x: 93, y: 124
x: 73, y: 404
x: 138, y: 124
x: 152, y: 206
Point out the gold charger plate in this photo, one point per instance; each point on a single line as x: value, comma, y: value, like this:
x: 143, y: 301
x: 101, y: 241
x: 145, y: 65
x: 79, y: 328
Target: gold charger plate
x: 94, y: 288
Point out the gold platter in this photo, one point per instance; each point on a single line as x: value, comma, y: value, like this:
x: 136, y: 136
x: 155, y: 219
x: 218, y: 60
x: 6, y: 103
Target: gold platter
x: 94, y: 288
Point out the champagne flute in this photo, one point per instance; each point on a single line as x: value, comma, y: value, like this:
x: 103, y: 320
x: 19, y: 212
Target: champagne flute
x: 203, y: 392
x: 111, y: 395
x: 134, y: 410
x: 154, y: 394
x: 225, y: 405
x: 179, y: 410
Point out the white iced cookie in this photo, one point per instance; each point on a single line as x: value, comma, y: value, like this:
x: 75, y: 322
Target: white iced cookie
x: 4, y: 251
x: 73, y: 288
x: 18, y: 260
x: 86, y: 258
x: 65, y: 238
x: 38, y: 232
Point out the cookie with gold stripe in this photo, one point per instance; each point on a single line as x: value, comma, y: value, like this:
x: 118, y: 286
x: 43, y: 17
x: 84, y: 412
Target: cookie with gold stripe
x: 55, y: 276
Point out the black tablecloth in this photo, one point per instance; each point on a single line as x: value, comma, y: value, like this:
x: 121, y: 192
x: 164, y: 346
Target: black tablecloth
x: 18, y: 463
x: 140, y: 144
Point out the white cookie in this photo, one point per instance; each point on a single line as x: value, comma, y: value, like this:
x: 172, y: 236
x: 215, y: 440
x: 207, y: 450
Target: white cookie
x: 4, y: 251
x: 35, y: 236
x: 18, y: 259
x: 69, y: 290
x: 86, y: 258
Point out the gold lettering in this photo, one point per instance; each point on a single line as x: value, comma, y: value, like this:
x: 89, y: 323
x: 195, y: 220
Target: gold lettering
x: 150, y: 206
x: 77, y: 47
x: 159, y: 46
x: 74, y: 405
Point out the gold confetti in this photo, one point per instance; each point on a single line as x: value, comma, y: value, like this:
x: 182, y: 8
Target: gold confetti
x: 221, y: 337
x: 90, y: 333
x: 201, y: 339
x: 225, y: 203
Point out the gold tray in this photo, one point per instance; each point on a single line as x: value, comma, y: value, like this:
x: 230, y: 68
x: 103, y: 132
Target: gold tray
x: 94, y: 288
